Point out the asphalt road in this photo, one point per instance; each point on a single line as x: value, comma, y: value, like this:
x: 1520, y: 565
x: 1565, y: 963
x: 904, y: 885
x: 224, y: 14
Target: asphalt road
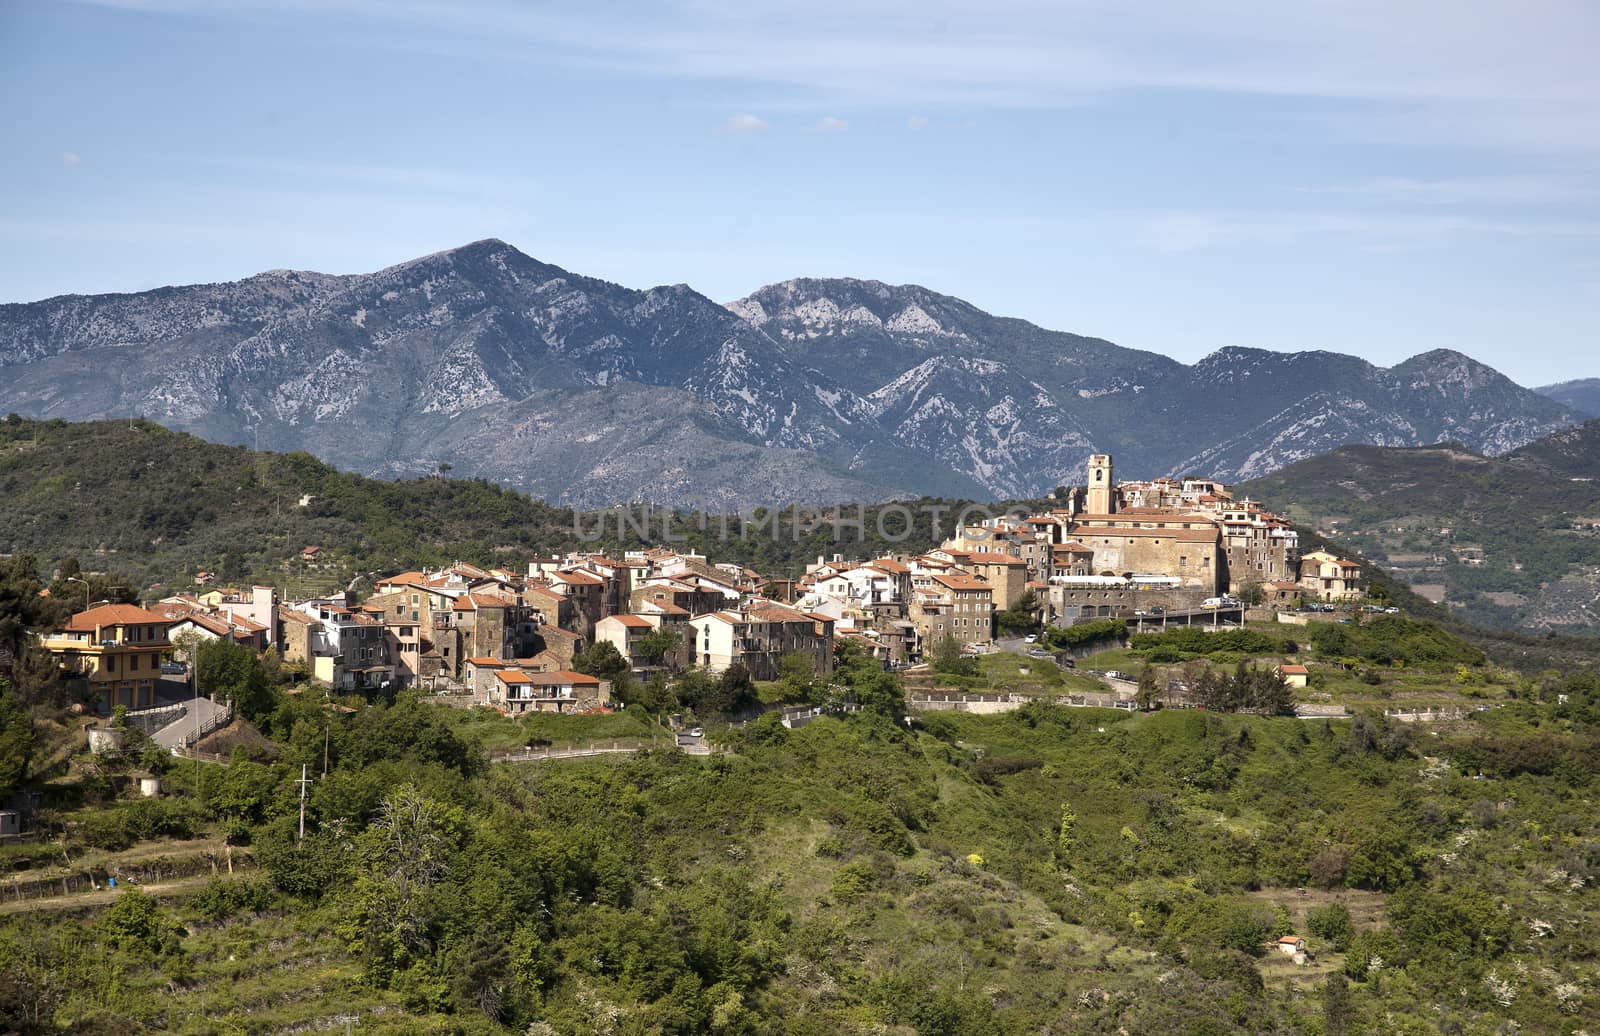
x: 200, y: 711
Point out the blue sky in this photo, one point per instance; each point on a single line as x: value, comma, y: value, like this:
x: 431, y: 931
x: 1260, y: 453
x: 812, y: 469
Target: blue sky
x: 1362, y: 176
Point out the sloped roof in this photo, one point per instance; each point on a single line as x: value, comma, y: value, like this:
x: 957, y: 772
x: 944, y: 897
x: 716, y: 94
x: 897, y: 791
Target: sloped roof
x: 993, y: 557
x: 578, y: 578
x: 561, y: 677
x: 472, y: 602
x: 115, y: 615
x: 962, y: 581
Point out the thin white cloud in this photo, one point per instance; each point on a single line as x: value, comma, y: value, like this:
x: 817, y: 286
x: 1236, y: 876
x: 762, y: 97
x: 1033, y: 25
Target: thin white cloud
x: 917, y: 122
x: 1526, y: 189
x: 831, y: 124
x: 1183, y: 231
x: 1510, y: 77
x: 745, y: 123
x: 71, y: 159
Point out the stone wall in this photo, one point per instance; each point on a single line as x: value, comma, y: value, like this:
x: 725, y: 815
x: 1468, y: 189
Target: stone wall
x: 1070, y: 603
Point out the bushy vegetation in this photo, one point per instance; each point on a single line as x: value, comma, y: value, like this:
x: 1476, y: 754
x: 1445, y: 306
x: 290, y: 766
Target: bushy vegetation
x: 1087, y: 633
x: 1395, y: 640
x: 1047, y: 870
x: 160, y: 505
x: 1184, y: 642
x: 1428, y: 500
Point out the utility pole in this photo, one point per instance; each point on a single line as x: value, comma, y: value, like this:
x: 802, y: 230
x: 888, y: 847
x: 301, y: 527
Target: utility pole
x: 303, y: 781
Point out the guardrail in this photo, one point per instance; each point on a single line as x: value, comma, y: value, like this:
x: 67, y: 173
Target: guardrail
x: 531, y: 754
x: 219, y: 719
x: 977, y: 701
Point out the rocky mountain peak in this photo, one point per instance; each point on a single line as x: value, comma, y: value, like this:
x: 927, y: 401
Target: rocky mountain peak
x: 812, y: 389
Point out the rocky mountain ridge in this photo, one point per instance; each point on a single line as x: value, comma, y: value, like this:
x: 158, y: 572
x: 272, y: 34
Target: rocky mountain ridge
x: 1582, y: 395
x: 586, y: 392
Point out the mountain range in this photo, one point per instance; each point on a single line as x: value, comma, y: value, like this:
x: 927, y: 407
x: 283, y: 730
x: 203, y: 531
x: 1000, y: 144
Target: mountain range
x: 487, y: 362
x: 1582, y: 395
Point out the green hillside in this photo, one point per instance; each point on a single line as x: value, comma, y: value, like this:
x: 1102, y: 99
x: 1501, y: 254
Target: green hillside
x: 158, y: 506
x: 1053, y: 870
x: 1511, y: 542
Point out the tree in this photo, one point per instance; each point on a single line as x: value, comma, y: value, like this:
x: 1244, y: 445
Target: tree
x: 1336, y: 1010
x: 1145, y: 696
x: 233, y: 671
x: 653, y: 695
x: 693, y: 687
x: 407, y: 852
x: 602, y: 660
x: 16, y: 741
x: 1383, y: 861
x: 797, y: 672
x: 661, y: 647
x: 1022, y: 617
x: 134, y: 921
x: 1332, y: 922
x: 867, y: 683
x: 947, y: 658
x: 733, y: 691
x: 1066, y: 839
x: 481, y: 973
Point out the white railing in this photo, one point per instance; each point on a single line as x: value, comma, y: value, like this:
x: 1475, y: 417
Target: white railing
x: 219, y: 719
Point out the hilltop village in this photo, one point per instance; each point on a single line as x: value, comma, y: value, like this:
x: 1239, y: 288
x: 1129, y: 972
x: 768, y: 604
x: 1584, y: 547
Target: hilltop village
x: 508, y: 639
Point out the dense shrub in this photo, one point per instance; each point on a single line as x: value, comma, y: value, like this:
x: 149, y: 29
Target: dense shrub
x: 1087, y: 632
x: 1190, y: 641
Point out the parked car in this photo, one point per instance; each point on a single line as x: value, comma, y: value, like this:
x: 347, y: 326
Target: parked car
x: 173, y: 669
x: 1066, y: 663
x: 697, y: 732
x: 1030, y: 638
x: 1038, y: 653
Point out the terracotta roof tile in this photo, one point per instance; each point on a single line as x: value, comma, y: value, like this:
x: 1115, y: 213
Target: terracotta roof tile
x: 115, y: 615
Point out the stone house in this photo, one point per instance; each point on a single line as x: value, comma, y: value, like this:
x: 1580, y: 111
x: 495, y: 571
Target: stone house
x: 515, y: 691
x: 953, y: 604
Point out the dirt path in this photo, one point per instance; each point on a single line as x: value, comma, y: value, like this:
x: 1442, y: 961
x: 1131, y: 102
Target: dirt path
x: 103, y: 895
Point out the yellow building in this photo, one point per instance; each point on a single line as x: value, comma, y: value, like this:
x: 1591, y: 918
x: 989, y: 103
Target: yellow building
x: 118, y: 648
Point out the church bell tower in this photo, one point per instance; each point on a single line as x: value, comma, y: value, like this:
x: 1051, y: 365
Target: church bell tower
x: 1102, y: 491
